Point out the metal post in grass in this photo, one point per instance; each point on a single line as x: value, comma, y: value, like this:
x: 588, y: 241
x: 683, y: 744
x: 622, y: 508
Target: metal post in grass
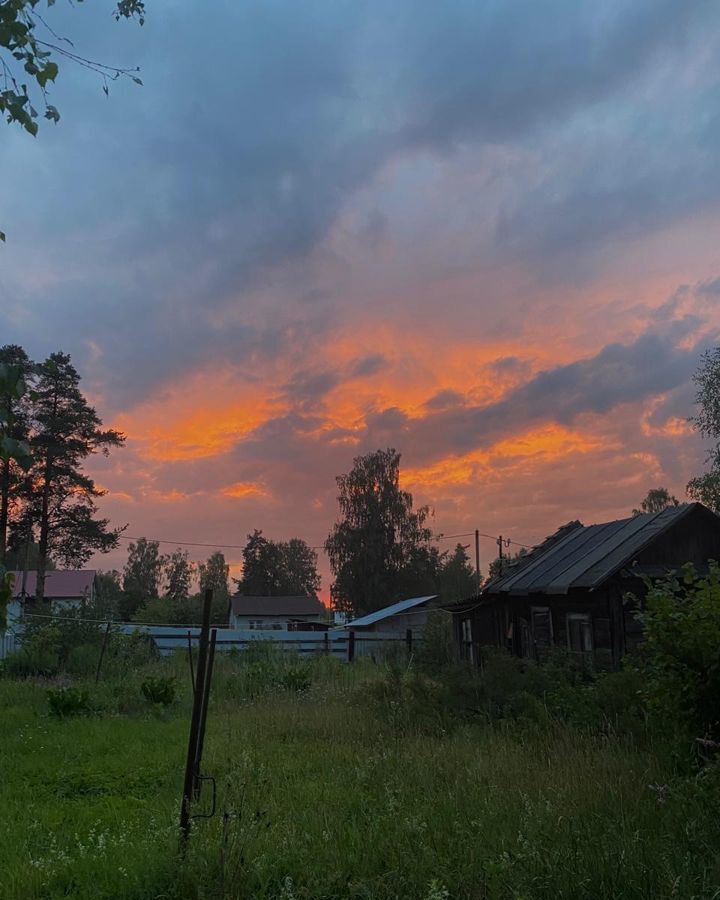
x: 409, y: 640
x: 351, y: 646
x: 102, y: 651
x: 190, y: 661
x: 203, y: 713
x: 191, y: 759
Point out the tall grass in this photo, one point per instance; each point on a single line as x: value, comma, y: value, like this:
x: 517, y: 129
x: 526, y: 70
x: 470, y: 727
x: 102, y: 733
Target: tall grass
x: 322, y: 794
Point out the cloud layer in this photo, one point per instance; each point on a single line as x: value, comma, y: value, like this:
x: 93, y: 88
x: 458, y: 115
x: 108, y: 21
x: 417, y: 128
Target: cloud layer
x: 481, y: 233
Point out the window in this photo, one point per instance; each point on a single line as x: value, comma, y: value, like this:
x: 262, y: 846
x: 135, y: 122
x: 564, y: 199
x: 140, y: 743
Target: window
x: 542, y: 626
x: 277, y: 626
x: 255, y: 624
x: 467, y: 642
x: 579, y: 631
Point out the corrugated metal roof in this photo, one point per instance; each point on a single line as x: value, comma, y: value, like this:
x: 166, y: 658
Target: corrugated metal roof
x: 243, y: 605
x: 387, y: 611
x: 59, y: 584
x: 586, y: 555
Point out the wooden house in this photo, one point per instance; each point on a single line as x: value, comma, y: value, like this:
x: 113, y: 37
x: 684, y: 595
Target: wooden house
x: 572, y: 590
x: 65, y: 589
x: 276, y: 613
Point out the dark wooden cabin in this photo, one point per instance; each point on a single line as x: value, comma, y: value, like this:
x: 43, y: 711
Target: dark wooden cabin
x: 571, y: 591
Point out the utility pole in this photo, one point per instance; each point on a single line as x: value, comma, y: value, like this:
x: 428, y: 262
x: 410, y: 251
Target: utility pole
x: 500, y: 552
x: 477, y: 558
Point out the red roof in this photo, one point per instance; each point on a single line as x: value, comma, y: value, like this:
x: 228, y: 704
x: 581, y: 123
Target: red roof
x: 59, y: 585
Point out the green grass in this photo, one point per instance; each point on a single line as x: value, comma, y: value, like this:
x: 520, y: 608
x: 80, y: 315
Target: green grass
x: 319, y: 798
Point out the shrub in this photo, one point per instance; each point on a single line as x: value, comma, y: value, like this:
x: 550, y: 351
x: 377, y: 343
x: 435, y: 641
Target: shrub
x: 159, y: 689
x: 29, y: 661
x: 436, y: 648
x: 681, y: 650
x: 296, y: 679
x: 83, y: 659
x: 68, y: 701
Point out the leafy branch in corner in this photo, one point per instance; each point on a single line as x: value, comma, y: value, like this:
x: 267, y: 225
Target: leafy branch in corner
x: 29, y: 48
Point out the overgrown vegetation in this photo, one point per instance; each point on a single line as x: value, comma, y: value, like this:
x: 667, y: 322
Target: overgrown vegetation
x: 415, y: 778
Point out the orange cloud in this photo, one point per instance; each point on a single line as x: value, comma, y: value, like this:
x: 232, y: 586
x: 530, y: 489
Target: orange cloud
x: 243, y: 489
x: 544, y: 444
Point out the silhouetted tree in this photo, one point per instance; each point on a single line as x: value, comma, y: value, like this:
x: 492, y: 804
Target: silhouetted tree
x: 178, y: 572
x: 215, y: 574
x: 60, y: 497
x: 457, y: 577
x: 142, y: 575
x: 282, y: 568
x: 656, y: 501
x: 15, y: 371
x: 380, y: 540
x: 706, y: 488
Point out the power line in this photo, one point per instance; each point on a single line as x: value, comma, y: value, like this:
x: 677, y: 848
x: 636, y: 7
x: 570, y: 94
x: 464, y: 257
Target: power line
x: 439, y: 537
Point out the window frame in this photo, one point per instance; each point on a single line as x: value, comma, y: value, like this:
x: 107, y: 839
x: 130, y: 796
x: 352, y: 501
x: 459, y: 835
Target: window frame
x: 582, y: 619
x: 551, y: 627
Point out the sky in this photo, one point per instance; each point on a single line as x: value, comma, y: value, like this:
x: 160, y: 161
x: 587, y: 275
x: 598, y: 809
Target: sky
x: 485, y: 234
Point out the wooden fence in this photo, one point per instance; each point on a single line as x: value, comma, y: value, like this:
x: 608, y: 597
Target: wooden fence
x: 8, y: 643
x: 342, y: 644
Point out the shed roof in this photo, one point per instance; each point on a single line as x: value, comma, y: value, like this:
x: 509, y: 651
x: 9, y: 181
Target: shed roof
x: 243, y: 605
x: 584, y: 556
x: 60, y: 584
x: 388, y: 611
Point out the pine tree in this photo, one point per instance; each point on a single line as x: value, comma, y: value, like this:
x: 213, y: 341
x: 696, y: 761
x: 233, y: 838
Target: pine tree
x: 14, y: 414
x: 61, y: 498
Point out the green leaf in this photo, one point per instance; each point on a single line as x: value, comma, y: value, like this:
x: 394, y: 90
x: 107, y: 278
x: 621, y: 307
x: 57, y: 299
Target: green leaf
x: 48, y: 73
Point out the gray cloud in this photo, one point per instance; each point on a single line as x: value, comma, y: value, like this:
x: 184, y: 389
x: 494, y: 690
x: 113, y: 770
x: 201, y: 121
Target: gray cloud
x: 161, y: 209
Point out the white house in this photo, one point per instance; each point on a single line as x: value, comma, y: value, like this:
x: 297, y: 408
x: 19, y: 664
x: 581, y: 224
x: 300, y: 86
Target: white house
x: 276, y: 613
x: 399, y: 617
x: 64, y: 589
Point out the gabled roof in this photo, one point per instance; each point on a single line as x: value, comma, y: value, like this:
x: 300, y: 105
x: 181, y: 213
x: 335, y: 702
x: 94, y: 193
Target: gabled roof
x: 59, y: 584
x: 584, y: 556
x: 388, y: 611
x: 243, y: 605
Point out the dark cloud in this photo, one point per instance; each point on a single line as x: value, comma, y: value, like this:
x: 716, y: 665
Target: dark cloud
x: 368, y: 365
x: 445, y: 399
x: 163, y: 213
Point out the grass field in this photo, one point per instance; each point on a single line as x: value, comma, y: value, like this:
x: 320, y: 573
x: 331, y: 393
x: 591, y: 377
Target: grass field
x: 320, y: 797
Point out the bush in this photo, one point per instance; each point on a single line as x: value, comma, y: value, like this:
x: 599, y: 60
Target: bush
x: 69, y: 701
x: 159, y: 689
x: 296, y: 679
x: 436, y: 648
x: 30, y: 661
x: 681, y: 650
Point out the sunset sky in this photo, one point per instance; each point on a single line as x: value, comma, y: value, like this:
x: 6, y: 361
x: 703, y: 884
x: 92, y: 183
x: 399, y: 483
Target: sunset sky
x: 485, y: 234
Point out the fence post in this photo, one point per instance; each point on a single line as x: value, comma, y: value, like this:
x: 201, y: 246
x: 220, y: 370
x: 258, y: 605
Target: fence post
x: 351, y: 646
x: 191, y: 763
x: 326, y: 642
x: 102, y: 651
x: 409, y: 640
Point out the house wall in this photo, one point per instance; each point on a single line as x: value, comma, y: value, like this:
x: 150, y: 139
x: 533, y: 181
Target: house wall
x: 249, y: 623
x: 415, y: 620
x: 531, y: 626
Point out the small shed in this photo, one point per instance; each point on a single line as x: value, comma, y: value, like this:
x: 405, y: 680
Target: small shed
x: 410, y: 614
x: 276, y: 613
x: 572, y: 590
